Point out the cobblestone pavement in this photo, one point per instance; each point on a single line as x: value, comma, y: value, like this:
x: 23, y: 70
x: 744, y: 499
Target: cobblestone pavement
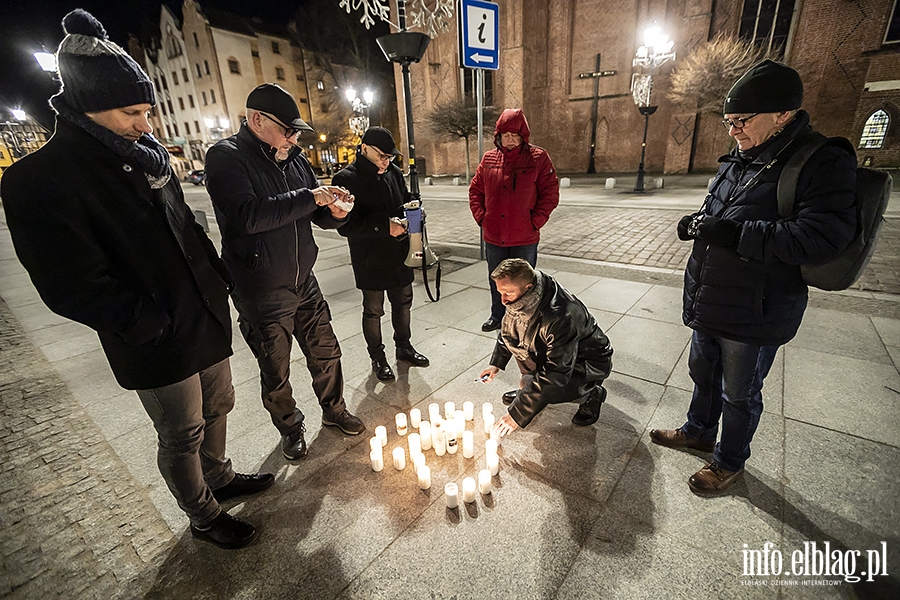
x: 74, y: 522
x: 598, y: 225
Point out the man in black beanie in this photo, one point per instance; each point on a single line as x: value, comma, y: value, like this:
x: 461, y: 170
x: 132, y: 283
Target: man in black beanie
x: 744, y: 295
x: 102, y: 228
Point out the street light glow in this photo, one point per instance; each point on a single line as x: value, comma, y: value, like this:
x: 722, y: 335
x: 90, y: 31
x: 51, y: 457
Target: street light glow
x: 19, y: 114
x: 368, y: 96
x: 47, y: 60
x: 350, y: 93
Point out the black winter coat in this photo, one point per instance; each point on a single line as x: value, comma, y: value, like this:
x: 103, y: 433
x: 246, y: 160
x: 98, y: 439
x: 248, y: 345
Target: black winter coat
x: 264, y: 210
x: 755, y: 293
x: 130, y: 262
x: 569, y: 348
x: 376, y: 256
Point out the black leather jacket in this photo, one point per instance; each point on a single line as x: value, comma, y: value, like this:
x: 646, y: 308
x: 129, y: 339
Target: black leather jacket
x: 570, y: 350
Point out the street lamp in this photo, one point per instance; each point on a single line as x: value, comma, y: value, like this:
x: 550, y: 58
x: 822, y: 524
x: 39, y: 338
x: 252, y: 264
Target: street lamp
x: 359, y: 122
x: 19, y: 114
x: 47, y: 60
x: 656, y: 51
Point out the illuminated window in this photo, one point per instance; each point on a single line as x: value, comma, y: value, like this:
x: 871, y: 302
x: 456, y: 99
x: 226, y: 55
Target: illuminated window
x: 875, y: 130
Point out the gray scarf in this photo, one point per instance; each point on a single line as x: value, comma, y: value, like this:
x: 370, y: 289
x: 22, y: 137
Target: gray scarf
x: 518, y: 316
x: 149, y: 154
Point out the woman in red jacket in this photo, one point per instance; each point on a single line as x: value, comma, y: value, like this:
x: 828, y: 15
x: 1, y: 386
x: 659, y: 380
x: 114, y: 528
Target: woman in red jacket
x: 511, y: 197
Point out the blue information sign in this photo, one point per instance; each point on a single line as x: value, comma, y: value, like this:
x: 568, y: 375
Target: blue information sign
x: 477, y: 23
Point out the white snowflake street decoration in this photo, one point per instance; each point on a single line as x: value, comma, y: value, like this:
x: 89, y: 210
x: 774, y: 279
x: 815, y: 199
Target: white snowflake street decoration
x: 370, y: 9
x: 430, y: 19
x: 431, y: 15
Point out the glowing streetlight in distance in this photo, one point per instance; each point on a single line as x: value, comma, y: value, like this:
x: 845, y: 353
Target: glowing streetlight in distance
x: 350, y: 93
x: 19, y: 115
x: 368, y: 96
x: 47, y: 60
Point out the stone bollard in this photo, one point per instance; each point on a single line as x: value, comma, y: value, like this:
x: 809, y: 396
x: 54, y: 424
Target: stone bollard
x: 659, y: 182
x: 610, y: 183
x: 428, y: 181
x: 565, y: 182
x: 456, y: 181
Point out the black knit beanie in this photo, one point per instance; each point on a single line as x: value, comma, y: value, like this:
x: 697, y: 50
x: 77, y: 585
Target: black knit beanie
x: 96, y: 73
x: 767, y: 87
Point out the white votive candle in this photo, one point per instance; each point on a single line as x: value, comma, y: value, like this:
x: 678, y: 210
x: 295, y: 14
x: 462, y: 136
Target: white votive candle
x: 415, y: 443
x: 495, y: 434
x: 424, y: 474
x: 449, y: 409
x: 400, y: 420
x: 468, y: 444
x: 468, y: 491
x: 487, y: 409
x: 377, y: 459
x: 451, y: 492
x: 399, y: 458
x: 375, y: 443
x: 469, y: 410
x: 484, y: 481
x: 381, y: 432
x: 418, y: 461
x: 415, y: 418
x: 488, y: 423
x: 438, y: 442
x: 425, y: 435
x: 459, y: 421
x: 433, y: 411
x: 452, y: 438
x: 490, y: 447
x: 493, y: 464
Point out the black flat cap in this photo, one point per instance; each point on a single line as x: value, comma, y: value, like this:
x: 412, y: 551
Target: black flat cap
x: 276, y: 101
x: 382, y: 139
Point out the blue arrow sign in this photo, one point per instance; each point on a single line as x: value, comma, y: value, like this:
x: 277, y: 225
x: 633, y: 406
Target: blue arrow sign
x: 478, y: 24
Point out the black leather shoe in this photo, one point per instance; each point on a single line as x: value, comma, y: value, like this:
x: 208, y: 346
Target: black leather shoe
x: 244, y: 485
x: 293, y: 445
x: 412, y: 357
x: 382, y: 369
x: 491, y: 324
x: 589, y: 411
x: 346, y: 422
x: 509, y: 397
x: 226, y: 532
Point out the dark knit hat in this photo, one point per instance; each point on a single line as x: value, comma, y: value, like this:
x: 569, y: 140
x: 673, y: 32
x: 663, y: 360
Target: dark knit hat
x: 96, y: 73
x: 766, y: 87
x: 275, y: 100
x: 382, y: 139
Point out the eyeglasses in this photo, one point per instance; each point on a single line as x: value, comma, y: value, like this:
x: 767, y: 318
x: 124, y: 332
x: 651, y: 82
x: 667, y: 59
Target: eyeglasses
x: 287, y: 132
x: 379, y: 155
x: 738, y: 123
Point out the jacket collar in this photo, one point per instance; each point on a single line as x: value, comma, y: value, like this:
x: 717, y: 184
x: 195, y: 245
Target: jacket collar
x: 364, y: 166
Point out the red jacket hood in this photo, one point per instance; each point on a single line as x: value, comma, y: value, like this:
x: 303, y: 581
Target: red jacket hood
x: 512, y: 120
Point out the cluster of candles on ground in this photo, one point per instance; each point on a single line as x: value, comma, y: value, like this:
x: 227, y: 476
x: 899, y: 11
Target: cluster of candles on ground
x: 443, y: 434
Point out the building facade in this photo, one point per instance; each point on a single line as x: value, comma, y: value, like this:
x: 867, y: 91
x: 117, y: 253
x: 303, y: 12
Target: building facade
x: 847, y: 52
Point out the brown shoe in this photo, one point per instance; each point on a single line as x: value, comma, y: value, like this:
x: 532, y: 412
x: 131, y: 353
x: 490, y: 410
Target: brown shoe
x: 712, y: 479
x: 675, y: 438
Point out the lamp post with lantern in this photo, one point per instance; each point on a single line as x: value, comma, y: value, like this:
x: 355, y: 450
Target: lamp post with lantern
x: 359, y: 122
x: 656, y: 51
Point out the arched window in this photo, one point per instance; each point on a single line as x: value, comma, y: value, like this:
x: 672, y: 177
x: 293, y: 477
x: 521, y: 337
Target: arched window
x: 875, y: 129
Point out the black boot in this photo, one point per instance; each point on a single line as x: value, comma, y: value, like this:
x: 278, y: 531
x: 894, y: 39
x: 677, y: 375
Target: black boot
x: 226, y: 532
x: 589, y: 411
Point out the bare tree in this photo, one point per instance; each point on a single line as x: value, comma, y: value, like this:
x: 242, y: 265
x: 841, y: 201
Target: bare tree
x: 703, y: 78
x: 459, y: 119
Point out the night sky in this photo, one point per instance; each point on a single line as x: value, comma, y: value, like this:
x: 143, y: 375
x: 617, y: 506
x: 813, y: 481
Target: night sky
x: 25, y: 26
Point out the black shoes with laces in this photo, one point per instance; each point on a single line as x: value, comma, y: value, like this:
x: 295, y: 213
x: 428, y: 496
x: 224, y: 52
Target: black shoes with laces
x: 346, y: 422
x: 293, y: 445
x: 589, y: 411
x: 244, y: 485
x: 412, y: 357
x: 382, y: 369
x: 226, y: 532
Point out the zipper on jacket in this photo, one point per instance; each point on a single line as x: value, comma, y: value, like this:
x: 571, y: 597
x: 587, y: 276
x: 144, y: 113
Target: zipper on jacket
x: 287, y: 188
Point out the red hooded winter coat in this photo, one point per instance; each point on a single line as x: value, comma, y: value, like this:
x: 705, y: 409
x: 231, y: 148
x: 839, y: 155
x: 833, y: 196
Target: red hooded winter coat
x: 513, y: 191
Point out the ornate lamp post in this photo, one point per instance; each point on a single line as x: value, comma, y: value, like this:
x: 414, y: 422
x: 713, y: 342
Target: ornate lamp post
x: 359, y: 122
x: 656, y: 51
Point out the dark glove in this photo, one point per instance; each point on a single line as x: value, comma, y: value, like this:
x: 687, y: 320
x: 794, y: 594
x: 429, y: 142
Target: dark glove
x: 720, y: 232
x: 683, y: 228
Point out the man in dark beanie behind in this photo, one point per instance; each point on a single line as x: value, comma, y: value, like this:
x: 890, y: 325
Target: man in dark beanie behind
x: 102, y: 228
x: 744, y: 295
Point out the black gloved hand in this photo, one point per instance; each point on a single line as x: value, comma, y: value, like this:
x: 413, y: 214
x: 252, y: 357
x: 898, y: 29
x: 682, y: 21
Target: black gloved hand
x: 720, y: 232
x: 683, y: 228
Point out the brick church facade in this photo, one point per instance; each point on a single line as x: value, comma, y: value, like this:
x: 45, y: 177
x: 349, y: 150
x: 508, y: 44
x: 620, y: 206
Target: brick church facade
x: 847, y: 52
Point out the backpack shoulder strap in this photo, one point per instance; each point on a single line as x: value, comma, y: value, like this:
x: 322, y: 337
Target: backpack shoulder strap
x: 808, y: 144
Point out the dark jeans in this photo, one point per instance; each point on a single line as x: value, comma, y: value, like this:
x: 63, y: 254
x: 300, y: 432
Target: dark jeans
x: 728, y: 378
x: 496, y: 255
x: 373, y: 309
x: 190, y: 418
x: 268, y: 320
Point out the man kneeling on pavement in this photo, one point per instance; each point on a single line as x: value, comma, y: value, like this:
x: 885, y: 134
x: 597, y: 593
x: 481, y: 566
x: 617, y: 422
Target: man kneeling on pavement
x: 562, y: 353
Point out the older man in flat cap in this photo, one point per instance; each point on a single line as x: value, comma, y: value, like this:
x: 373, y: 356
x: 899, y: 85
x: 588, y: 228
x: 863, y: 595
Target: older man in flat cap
x: 266, y: 197
x: 744, y: 295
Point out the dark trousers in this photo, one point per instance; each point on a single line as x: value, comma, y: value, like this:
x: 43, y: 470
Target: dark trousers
x: 728, y: 378
x: 496, y: 255
x: 373, y: 309
x: 268, y: 320
x: 190, y: 418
